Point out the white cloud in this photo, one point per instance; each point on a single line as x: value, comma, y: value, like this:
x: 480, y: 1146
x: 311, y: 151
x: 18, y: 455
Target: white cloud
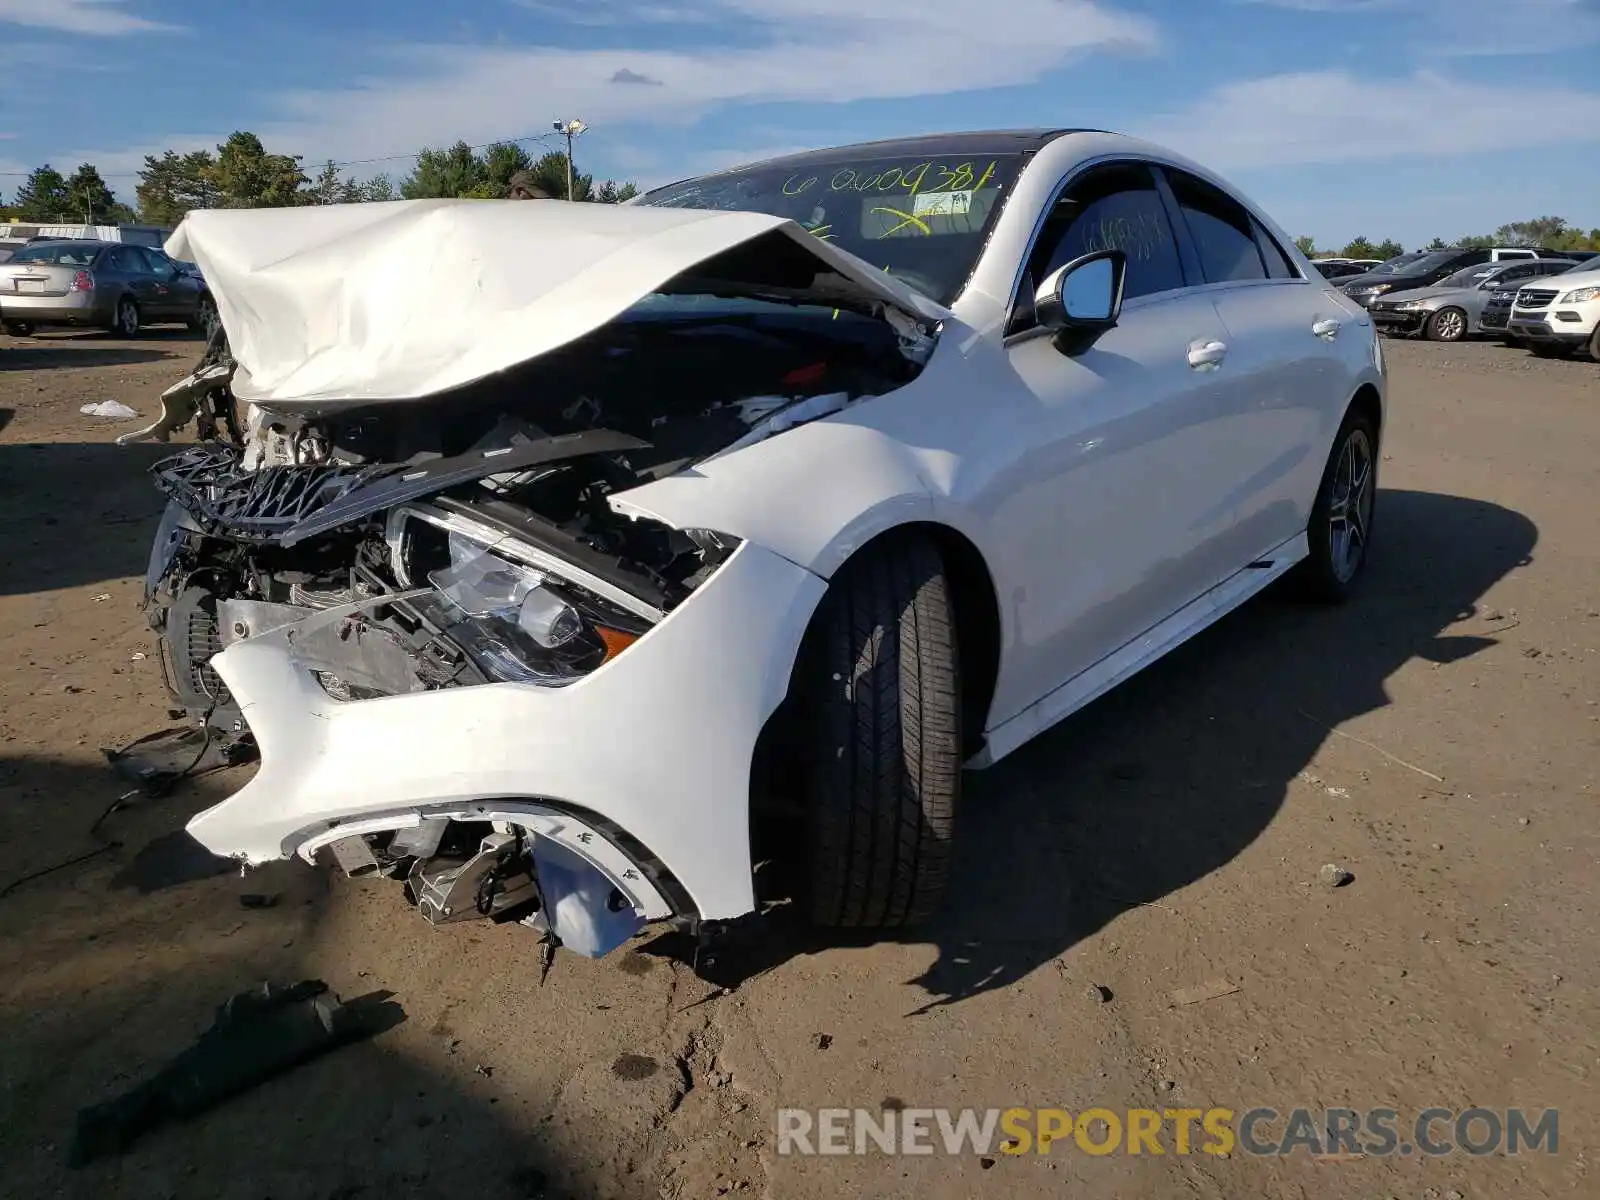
x: 1469, y: 28
x: 1334, y: 116
x: 104, y: 17
x: 820, y: 51
x: 823, y: 51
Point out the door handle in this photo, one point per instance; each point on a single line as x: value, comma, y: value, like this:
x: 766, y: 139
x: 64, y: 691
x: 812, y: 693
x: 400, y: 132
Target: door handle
x: 1327, y: 329
x: 1207, y: 354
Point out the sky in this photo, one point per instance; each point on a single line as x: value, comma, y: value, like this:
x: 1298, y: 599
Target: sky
x: 1387, y: 118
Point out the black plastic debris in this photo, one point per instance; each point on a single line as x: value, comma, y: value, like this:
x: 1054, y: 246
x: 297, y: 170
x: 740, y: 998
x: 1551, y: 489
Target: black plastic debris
x: 255, y: 1036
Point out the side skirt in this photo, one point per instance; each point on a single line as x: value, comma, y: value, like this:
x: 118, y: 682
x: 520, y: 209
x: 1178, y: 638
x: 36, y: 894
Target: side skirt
x: 1094, y: 682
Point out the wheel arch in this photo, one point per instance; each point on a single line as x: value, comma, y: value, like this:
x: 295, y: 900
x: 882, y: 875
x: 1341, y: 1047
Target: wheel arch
x: 1369, y: 404
x: 976, y: 608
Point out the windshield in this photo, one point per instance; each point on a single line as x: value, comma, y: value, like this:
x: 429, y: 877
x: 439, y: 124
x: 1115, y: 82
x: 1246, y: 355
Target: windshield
x: 1393, y: 266
x: 1587, y: 264
x: 62, y: 254
x: 1471, y: 276
x: 923, y: 220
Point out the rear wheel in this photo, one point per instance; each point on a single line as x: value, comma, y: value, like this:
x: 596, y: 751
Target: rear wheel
x: 1341, y: 518
x: 1447, y: 325
x: 205, y: 316
x: 880, y: 719
x: 19, y: 328
x: 126, y: 321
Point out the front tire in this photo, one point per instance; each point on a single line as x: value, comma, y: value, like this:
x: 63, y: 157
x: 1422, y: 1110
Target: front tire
x: 1341, y: 518
x: 1447, y: 325
x: 881, y: 726
x: 19, y: 328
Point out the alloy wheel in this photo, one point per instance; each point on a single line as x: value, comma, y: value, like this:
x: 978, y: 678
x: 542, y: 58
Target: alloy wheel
x: 1350, y: 506
x: 1449, y: 325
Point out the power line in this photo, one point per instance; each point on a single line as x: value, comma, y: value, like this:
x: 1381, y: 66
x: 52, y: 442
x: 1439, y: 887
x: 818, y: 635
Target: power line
x: 354, y: 162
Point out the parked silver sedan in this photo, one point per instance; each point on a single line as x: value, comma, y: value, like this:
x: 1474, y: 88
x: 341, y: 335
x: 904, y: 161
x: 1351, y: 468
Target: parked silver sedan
x: 1453, y: 308
x: 104, y: 285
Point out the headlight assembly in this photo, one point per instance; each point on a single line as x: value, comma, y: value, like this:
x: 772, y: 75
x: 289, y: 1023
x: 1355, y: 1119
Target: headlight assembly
x: 519, y: 624
x: 1580, y: 295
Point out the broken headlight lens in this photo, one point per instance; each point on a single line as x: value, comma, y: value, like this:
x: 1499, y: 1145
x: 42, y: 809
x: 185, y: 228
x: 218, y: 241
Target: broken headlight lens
x: 520, y: 625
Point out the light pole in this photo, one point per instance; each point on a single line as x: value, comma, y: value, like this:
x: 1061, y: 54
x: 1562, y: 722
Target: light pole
x: 569, y: 129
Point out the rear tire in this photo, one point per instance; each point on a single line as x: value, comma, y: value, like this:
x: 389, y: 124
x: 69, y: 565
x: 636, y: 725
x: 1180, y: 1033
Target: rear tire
x: 205, y: 317
x: 125, y: 319
x: 1329, y: 573
x: 880, y: 717
x: 1447, y: 325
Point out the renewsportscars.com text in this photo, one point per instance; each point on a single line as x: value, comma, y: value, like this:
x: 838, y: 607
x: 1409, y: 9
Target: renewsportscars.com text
x: 1260, y: 1131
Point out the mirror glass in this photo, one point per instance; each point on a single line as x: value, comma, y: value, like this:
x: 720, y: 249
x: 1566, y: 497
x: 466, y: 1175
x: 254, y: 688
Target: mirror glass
x: 1086, y: 294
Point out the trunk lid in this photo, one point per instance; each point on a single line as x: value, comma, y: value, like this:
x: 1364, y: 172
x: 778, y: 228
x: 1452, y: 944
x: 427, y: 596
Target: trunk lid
x: 341, y: 305
x: 35, y: 279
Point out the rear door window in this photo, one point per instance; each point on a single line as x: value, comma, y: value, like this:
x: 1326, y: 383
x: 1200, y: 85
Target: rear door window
x: 1222, y: 231
x: 1278, y: 266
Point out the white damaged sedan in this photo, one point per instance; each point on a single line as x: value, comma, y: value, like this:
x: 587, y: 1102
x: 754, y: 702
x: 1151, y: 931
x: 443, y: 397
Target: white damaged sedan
x: 571, y: 562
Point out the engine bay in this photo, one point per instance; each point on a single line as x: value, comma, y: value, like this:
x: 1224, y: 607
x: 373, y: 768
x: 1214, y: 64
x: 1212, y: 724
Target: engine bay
x: 469, y: 533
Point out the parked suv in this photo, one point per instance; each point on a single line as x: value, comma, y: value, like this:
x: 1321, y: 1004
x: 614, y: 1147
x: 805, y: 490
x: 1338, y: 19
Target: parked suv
x: 104, y: 285
x: 1424, y: 268
x: 1560, y: 315
x: 1496, y: 314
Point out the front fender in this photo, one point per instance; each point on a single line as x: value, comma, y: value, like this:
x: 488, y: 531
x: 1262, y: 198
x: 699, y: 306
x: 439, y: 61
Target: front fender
x: 814, y: 495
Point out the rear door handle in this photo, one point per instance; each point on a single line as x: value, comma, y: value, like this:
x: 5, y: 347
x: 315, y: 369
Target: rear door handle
x: 1203, y: 355
x: 1327, y: 329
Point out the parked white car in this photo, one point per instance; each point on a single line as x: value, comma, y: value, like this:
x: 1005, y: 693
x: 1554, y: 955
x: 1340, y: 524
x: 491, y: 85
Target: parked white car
x: 745, y: 515
x: 1559, y: 316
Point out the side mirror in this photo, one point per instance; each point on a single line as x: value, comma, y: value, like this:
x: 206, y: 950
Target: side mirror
x: 1080, y: 301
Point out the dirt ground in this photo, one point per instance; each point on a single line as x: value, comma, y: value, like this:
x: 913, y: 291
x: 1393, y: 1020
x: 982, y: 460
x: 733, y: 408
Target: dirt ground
x: 1437, y: 737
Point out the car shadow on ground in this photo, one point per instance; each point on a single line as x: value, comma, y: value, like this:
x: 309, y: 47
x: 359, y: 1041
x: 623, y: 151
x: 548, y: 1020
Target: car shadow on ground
x: 1173, y: 774
x: 76, y: 513
x: 32, y: 356
x: 104, y: 987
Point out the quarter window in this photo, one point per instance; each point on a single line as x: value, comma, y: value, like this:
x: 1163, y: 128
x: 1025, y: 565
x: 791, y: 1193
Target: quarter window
x: 1221, y: 229
x: 1114, y: 207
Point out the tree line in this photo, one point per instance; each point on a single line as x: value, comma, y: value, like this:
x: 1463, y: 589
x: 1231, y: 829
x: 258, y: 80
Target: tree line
x: 1552, y: 233
x: 243, y: 174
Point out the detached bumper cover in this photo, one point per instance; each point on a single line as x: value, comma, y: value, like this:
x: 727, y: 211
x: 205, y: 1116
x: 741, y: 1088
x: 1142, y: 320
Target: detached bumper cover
x: 657, y: 744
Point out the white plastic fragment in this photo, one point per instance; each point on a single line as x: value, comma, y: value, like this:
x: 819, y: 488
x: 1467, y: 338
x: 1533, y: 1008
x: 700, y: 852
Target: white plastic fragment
x: 113, y: 409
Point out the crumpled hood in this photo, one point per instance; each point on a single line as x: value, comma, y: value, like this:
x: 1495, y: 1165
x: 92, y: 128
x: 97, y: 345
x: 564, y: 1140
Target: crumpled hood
x: 409, y: 298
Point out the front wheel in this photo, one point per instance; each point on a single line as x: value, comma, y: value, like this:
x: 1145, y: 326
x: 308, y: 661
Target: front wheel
x: 880, y: 720
x: 1447, y: 325
x: 19, y: 329
x: 1340, y: 531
